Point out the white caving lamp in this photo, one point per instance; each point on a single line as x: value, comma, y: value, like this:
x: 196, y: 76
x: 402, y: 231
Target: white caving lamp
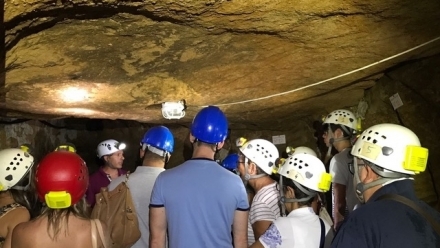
x: 173, y: 110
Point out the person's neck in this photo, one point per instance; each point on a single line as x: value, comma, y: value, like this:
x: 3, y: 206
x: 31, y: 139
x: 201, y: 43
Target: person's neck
x: 259, y: 183
x: 201, y: 151
x: 341, y: 145
x: 153, y: 163
x: 370, y: 192
x: 109, y: 170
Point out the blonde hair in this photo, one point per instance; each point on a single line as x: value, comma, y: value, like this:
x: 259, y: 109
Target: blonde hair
x: 58, y: 218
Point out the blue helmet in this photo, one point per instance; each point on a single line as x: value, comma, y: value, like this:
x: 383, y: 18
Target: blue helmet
x: 210, y: 125
x: 230, y: 162
x: 159, y: 137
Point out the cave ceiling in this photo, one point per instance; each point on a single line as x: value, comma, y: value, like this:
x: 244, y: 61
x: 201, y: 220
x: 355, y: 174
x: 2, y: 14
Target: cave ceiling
x: 265, y: 63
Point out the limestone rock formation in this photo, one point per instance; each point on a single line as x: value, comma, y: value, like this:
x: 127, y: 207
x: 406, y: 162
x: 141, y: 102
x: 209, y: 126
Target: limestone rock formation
x: 130, y: 56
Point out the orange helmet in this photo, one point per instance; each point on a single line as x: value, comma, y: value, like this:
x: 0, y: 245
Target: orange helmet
x: 62, y: 179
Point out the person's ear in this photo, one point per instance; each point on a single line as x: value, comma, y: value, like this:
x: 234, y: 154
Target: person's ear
x: 252, y: 167
x: 339, y: 133
x: 370, y: 175
x: 289, y: 192
x: 141, y: 153
x: 191, y: 138
x: 220, y: 145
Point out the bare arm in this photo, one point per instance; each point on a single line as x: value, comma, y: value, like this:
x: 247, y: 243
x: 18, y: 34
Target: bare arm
x: 257, y: 244
x: 158, y: 227
x: 340, y: 204
x: 18, y: 215
x: 260, y: 227
x: 240, y: 229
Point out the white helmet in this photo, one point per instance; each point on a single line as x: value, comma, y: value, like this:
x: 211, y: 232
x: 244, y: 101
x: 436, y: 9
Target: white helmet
x: 262, y: 152
x: 391, y: 147
x: 308, y: 171
x: 342, y: 117
x: 108, y: 147
x: 14, y: 165
x: 303, y: 150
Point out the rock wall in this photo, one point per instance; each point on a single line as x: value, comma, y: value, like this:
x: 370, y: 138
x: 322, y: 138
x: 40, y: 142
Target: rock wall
x: 86, y: 134
x: 418, y: 84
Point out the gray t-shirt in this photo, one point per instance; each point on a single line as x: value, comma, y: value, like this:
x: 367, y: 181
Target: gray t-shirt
x: 339, y: 169
x: 141, y: 184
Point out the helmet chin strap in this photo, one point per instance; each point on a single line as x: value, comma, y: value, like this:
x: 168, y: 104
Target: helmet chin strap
x: 283, y: 199
x: 386, y: 177
x: 248, y: 176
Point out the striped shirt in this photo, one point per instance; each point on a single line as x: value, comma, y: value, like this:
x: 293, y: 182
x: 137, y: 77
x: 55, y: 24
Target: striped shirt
x: 265, y: 206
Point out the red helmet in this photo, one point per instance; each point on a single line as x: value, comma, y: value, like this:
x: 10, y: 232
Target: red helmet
x: 62, y: 179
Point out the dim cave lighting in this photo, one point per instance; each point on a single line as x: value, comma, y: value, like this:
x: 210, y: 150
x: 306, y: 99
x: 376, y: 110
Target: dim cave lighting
x: 74, y: 94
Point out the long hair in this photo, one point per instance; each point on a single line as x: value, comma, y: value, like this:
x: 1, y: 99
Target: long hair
x: 58, y: 218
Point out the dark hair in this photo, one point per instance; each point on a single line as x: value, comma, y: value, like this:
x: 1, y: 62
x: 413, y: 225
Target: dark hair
x: 335, y: 127
x: 298, y: 193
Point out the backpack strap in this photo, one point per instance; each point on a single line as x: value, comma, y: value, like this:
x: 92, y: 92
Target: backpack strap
x: 414, y: 206
x: 97, y: 231
x: 94, y: 239
x: 127, y: 176
x: 321, y: 243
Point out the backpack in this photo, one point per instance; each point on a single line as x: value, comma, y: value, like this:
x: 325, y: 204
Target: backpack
x: 116, y: 209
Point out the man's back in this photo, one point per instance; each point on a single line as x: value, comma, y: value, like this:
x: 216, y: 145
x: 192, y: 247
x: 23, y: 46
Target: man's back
x: 141, y: 184
x: 200, y: 199
x: 388, y: 224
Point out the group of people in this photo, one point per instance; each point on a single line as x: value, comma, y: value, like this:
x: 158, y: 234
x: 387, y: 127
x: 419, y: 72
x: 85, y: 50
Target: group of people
x: 267, y: 201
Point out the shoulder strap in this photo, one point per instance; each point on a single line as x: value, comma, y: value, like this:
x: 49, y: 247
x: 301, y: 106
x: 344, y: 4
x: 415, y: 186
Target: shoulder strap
x: 414, y: 206
x: 94, y: 239
x: 321, y: 243
x: 127, y: 176
x: 8, y: 208
x: 101, y: 233
x: 96, y: 225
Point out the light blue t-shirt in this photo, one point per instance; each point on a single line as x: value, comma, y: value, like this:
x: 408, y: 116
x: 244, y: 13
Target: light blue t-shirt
x: 200, y: 199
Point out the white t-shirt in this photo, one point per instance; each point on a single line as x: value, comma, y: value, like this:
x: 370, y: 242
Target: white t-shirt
x: 339, y: 169
x: 300, y: 229
x: 265, y: 206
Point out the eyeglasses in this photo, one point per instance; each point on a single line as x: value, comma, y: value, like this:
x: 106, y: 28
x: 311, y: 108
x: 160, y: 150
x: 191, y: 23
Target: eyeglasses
x: 359, y: 164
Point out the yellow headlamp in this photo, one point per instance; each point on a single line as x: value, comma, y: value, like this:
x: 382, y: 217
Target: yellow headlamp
x: 416, y: 159
x: 58, y: 199
x: 325, y: 182
x: 65, y: 148
x: 240, y: 142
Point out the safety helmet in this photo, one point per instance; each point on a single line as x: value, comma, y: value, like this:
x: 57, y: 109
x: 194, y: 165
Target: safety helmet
x: 61, y: 179
x: 307, y: 170
x: 230, y: 162
x: 303, y: 150
x: 262, y: 152
x: 210, y: 125
x: 159, y: 137
x: 14, y: 165
x: 391, y: 147
x: 342, y: 117
x: 108, y: 147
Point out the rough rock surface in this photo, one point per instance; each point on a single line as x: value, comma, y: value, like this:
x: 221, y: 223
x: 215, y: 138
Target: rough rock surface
x: 130, y: 56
